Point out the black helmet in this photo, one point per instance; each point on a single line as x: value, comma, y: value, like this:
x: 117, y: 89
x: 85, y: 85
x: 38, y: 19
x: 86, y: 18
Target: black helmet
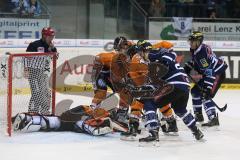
x: 143, y: 45
x: 132, y: 50
x: 196, y: 36
x: 118, y: 42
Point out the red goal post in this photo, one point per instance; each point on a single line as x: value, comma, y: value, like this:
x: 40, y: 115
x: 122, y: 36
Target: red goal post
x: 15, y: 91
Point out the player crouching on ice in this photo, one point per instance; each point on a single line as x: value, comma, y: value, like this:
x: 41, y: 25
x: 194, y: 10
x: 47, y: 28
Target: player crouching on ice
x: 80, y: 119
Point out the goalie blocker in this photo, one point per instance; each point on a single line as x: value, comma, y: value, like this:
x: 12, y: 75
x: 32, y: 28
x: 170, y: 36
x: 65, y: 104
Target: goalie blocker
x: 79, y: 119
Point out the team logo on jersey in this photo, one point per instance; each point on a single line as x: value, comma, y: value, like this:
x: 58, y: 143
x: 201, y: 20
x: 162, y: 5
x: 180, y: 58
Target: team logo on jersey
x: 204, y: 62
x: 40, y: 49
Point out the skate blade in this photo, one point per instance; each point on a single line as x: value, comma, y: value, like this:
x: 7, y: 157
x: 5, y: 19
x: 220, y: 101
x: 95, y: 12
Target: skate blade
x: 171, y: 134
x: 199, y: 124
x: 211, y: 128
x: 129, y: 138
x: 149, y: 144
x: 202, y: 140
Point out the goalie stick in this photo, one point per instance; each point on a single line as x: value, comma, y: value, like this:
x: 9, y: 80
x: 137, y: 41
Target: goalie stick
x: 221, y: 109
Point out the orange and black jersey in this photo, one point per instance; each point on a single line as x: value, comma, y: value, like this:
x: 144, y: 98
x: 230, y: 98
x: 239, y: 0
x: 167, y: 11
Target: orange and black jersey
x: 105, y: 59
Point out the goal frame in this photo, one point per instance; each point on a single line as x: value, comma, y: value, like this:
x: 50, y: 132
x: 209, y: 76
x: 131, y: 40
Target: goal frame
x: 9, y: 82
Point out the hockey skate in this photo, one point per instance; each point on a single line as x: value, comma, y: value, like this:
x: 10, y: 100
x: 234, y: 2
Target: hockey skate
x: 199, y: 117
x: 120, y: 117
x: 197, y: 133
x: 151, y: 140
x: 212, y: 123
x: 133, y: 131
x: 172, y: 127
x: 169, y: 126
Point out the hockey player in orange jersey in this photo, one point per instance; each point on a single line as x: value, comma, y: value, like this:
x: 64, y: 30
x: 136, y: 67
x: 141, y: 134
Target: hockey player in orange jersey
x: 139, y: 75
x: 105, y: 73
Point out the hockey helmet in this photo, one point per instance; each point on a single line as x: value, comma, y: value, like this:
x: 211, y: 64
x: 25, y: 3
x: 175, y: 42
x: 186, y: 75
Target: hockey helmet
x: 48, y: 31
x: 132, y: 50
x: 119, y: 42
x: 143, y: 45
x: 196, y: 36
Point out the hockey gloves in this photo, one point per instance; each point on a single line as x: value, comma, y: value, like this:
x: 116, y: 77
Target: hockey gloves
x: 206, y: 93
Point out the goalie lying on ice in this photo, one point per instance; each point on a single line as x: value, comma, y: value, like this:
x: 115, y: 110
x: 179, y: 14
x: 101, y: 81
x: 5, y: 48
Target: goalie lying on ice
x: 79, y: 119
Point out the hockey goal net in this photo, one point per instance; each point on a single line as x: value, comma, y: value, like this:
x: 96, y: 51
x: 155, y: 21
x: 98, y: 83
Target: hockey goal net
x: 27, y: 83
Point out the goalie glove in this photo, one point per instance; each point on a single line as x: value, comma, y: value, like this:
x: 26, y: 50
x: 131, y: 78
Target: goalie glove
x: 95, y: 127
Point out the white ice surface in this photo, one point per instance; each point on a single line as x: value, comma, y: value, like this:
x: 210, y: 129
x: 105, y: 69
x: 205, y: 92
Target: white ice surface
x: 218, y: 145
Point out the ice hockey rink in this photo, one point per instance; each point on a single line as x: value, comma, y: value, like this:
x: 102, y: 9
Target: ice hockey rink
x: 219, y: 144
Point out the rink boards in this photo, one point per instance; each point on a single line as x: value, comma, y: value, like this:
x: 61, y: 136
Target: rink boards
x: 74, y: 65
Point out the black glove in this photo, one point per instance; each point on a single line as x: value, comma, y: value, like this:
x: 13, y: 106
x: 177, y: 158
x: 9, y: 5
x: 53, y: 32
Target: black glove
x: 142, y: 91
x: 188, y: 67
x: 206, y: 93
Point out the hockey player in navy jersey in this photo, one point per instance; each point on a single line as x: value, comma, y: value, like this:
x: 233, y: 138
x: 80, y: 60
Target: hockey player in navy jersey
x: 178, y: 96
x: 212, y: 70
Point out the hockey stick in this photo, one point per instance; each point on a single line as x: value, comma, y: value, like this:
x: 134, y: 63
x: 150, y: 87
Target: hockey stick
x: 219, y: 108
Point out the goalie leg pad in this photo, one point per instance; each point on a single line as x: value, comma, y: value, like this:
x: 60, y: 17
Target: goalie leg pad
x: 31, y: 123
x: 20, y: 120
x: 50, y: 123
x: 26, y: 123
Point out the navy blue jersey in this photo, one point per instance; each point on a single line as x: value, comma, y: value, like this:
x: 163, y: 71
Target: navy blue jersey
x: 206, y: 63
x: 175, y: 74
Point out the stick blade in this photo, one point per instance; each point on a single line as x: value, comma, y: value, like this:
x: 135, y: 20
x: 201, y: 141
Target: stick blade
x: 224, y: 108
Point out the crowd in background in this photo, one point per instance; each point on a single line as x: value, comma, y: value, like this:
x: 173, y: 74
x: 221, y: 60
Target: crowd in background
x: 192, y: 8
x: 155, y: 8
x: 30, y: 8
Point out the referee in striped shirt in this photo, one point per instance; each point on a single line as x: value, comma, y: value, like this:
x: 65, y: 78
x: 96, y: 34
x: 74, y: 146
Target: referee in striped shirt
x: 35, y: 68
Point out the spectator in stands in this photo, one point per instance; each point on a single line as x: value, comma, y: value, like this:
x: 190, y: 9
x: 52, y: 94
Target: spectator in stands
x: 211, y: 6
x: 20, y: 6
x: 213, y: 14
x: 34, y: 8
x: 157, y: 8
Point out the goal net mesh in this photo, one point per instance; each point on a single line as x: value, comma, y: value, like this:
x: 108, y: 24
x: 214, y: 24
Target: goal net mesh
x: 27, y: 84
